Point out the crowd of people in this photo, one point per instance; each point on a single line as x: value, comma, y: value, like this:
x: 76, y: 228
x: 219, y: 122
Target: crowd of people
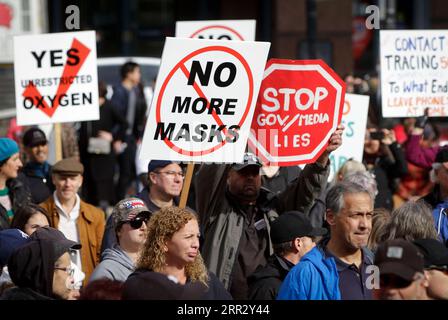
x: 76, y: 230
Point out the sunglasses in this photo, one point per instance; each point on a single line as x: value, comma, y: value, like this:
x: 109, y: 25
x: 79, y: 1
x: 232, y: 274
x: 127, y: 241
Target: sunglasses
x: 137, y: 222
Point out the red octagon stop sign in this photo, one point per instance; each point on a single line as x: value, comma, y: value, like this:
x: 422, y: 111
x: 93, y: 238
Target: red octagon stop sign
x: 299, y: 106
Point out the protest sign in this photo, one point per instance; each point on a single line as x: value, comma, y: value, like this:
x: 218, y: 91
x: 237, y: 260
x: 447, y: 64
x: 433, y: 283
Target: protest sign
x: 354, y: 119
x: 414, y: 65
x: 56, y: 78
x: 243, y: 30
x: 204, y: 100
x: 298, y: 108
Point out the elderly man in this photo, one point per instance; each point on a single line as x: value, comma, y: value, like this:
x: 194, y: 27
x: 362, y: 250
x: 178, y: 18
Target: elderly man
x: 438, y: 198
x: 78, y: 220
x: 236, y: 213
x: 129, y: 220
x: 36, y: 172
x: 401, y: 271
x: 349, y: 215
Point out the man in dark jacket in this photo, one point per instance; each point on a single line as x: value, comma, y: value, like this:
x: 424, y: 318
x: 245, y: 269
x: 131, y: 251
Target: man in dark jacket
x: 36, y: 172
x: 236, y: 213
x: 128, y: 101
x: 292, y: 237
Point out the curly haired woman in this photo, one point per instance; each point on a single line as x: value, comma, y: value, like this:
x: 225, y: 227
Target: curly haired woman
x: 172, y: 248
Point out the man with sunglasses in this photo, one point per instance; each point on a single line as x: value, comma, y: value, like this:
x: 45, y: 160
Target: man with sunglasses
x: 129, y: 218
x: 401, y: 270
x: 36, y: 172
x: 436, y: 267
x: 166, y: 180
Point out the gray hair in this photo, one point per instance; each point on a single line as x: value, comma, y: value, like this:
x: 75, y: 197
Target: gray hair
x: 364, y: 179
x: 335, y: 196
x: 413, y: 220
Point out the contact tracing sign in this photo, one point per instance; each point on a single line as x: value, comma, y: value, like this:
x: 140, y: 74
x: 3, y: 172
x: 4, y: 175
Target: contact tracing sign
x: 56, y: 78
x: 204, y: 100
x: 242, y: 30
x: 414, y: 72
x: 299, y: 106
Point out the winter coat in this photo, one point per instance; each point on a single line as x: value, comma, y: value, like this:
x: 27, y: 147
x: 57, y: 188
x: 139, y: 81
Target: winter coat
x: 19, y: 195
x: 313, y: 278
x: 115, y: 265
x: 223, y: 223
x: 265, y: 282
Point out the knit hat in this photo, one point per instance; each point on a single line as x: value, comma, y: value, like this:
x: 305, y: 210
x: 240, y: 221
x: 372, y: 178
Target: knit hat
x: 7, y: 148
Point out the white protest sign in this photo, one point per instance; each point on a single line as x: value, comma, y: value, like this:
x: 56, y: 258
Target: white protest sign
x: 354, y: 118
x: 56, y: 78
x: 204, y: 100
x: 243, y: 30
x: 414, y: 72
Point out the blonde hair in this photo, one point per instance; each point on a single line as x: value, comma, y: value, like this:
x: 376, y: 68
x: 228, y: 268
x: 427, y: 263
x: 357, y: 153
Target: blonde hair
x: 161, y: 228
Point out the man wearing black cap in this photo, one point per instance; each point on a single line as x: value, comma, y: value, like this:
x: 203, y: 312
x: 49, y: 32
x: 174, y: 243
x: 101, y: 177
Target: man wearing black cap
x: 436, y: 267
x: 36, y: 172
x: 438, y: 198
x: 402, y: 277
x: 292, y: 237
x: 236, y: 213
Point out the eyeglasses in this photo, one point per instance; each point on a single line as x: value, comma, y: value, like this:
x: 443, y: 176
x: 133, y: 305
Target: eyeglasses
x: 172, y: 174
x: 137, y: 222
x: 69, y: 270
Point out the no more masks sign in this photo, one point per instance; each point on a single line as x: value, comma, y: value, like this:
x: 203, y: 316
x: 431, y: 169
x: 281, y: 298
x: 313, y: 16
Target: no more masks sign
x: 204, y: 100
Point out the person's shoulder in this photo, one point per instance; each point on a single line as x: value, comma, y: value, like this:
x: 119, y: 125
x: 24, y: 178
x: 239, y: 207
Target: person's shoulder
x: 91, y: 209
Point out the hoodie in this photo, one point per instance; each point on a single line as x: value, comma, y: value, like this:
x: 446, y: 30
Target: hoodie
x: 115, y: 265
x: 313, y: 278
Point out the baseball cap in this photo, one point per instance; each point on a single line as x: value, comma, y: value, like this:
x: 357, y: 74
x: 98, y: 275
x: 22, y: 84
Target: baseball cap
x: 434, y: 252
x: 155, y: 164
x: 149, y: 285
x: 291, y: 225
x: 10, y: 239
x: 61, y: 243
x: 399, y: 257
x: 34, y: 137
x: 128, y: 209
x: 68, y: 167
x: 249, y: 159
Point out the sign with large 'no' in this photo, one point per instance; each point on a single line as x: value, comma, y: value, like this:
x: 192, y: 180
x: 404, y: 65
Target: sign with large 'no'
x: 204, y: 100
x: 56, y: 78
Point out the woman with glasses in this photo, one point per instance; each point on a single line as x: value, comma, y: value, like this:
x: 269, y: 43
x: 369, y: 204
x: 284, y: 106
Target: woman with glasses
x: 172, y: 248
x: 129, y: 218
x: 41, y: 269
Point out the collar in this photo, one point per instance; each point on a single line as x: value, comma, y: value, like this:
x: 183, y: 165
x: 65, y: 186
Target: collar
x: 284, y: 263
x: 341, y: 265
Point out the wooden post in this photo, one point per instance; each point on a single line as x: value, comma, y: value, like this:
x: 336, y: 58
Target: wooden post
x: 58, y: 141
x: 186, y: 186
